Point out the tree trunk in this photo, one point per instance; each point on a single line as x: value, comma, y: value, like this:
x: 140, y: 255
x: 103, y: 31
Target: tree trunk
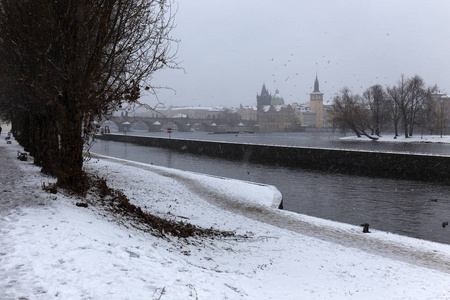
x: 70, y: 169
x: 411, y: 128
x: 373, y: 138
x: 49, y: 147
x: 37, y: 147
x: 356, y: 131
x: 395, y: 128
x: 22, y: 131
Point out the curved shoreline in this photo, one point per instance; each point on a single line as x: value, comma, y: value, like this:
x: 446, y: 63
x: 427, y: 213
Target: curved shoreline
x: 377, y: 242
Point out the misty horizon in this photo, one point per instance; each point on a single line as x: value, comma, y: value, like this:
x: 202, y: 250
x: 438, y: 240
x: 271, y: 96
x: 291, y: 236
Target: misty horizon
x: 228, y: 50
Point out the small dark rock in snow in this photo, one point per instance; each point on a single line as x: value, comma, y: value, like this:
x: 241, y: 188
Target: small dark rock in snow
x: 444, y: 224
x: 80, y: 204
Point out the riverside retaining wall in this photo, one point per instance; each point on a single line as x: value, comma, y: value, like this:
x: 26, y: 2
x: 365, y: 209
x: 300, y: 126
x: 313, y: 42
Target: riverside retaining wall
x: 353, y: 162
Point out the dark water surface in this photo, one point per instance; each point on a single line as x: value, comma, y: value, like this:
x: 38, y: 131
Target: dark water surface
x: 415, y: 209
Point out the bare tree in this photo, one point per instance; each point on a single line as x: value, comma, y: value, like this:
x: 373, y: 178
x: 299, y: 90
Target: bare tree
x: 376, y: 99
x: 418, y: 99
x: 229, y: 117
x: 443, y: 116
x: 409, y: 97
x: 20, y: 56
x: 400, y: 97
x: 79, y: 59
x: 429, y: 118
x: 350, y: 112
x: 437, y: 111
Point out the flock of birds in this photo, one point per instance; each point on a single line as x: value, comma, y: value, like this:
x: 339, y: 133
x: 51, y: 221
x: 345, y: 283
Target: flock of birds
x: 287, y: 76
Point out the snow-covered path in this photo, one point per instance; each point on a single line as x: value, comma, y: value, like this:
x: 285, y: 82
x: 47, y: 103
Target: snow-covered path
x: 12, y: 178
x: 16, y: 195
x: 396, y: 247
x: 52, y: 249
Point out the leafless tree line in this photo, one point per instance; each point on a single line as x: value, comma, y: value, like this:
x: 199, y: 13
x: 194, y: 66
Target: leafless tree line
x: 65, y: 63
x: 401, y: 108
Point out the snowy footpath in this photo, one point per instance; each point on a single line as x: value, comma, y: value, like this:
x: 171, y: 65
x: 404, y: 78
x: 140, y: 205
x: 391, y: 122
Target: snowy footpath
x: 52, y: 249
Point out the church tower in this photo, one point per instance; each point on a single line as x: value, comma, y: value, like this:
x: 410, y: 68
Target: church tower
x: 263, y: 99
x: 316, y: 103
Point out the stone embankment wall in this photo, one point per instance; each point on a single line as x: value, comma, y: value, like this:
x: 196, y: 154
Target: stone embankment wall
x: 361, y: 163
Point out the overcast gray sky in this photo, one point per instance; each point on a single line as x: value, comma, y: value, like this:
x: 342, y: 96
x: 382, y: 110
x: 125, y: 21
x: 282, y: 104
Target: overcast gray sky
x: 230, y: 48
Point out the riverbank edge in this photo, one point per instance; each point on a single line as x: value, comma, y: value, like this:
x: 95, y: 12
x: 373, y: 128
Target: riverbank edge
x: 275, y: 203
x: 64, y: 240
x: 419, y: 167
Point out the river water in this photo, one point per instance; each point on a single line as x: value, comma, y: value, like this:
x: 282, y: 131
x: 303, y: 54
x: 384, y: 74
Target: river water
x: 415, y: 209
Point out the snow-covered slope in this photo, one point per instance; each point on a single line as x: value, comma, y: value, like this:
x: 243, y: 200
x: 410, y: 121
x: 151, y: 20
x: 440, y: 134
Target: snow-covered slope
x: 52, y: 249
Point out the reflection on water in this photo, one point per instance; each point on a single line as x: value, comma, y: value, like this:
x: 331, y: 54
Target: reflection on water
x: 405, y: 207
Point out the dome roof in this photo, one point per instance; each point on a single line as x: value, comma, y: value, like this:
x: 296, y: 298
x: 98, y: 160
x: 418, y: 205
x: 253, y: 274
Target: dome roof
x: 277, y: 99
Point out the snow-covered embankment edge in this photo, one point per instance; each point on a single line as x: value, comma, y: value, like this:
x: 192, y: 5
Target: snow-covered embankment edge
x: 239, y: 191
x: 260, y: 202
x: 52, y: 249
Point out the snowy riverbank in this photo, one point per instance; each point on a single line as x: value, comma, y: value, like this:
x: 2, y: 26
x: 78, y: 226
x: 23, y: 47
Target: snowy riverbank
x: 389, y: 138
x: 52, y: 249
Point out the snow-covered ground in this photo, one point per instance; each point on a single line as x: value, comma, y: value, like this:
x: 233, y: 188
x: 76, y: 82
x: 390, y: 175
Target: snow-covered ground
x: 52, y: 249
x: 417, y: 138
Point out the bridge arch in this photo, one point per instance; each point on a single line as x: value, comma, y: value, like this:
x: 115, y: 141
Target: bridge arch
x: 199, y: 127
x: 140, y: 125
x: 113, y: 127
x: 181, y: 124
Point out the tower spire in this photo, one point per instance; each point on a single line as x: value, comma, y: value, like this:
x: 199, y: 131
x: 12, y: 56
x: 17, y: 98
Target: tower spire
x: 316, y: 85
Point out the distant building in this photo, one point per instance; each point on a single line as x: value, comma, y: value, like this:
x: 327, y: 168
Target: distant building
x: 248, y: 113
x: 278, y: 118
x: 316, y: 103
x: 306, y: 116
x: 263, y: 99
x: 193, y: 112
x: 273, y: 115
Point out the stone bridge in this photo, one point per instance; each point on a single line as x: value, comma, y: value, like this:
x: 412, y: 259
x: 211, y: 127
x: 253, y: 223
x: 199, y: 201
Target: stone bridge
x: 183, y: 124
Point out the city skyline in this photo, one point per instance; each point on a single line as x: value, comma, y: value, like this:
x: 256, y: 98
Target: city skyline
x: 229, y: 49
